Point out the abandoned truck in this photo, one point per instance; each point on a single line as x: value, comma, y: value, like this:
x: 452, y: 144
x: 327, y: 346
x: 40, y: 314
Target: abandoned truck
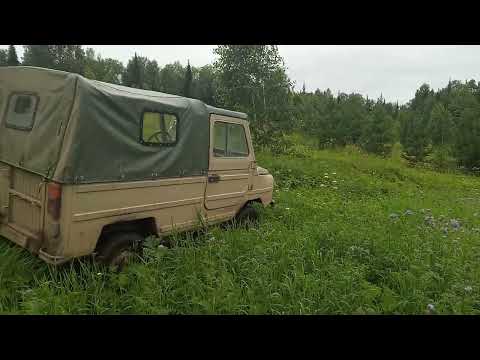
x: 92, y: 168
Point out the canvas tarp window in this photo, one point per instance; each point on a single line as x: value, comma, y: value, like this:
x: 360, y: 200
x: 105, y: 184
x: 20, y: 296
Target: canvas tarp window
x: 87, y: 131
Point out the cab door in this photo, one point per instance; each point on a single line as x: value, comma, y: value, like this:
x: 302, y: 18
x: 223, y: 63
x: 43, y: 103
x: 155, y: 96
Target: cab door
x: 231, y: 159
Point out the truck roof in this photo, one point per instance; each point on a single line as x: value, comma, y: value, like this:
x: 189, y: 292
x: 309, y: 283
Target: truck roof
x: 159, y: 96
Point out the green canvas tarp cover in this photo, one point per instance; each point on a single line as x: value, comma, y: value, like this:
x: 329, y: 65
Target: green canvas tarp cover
x: 87, y: 131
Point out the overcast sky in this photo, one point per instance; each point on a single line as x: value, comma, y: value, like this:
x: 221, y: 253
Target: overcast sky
x: 394, y: 71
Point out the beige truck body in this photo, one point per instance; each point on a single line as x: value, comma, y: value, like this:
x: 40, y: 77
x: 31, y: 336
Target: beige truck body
x: 151, y: 207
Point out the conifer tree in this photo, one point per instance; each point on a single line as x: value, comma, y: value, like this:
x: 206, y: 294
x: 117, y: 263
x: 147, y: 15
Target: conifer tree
x: 187, y: 86
x: 12, y: 58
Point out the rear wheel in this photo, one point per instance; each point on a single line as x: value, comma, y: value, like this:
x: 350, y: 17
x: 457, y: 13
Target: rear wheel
x: 119, y: 249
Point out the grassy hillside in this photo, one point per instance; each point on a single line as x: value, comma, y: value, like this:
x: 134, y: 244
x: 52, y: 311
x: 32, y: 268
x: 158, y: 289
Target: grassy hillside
x: 350, y: 234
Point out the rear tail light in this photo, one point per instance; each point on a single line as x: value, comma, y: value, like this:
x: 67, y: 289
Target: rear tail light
x: 54, y: 200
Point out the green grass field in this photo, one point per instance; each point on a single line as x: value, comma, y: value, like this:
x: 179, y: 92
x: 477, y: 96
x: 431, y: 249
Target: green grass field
x: 351, y: 234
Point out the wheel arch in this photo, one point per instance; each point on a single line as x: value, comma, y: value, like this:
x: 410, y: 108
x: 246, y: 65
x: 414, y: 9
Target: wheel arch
x: 144, y: 227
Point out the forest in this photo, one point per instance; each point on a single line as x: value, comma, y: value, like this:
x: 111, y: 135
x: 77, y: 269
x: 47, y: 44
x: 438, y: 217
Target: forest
x: 436, y: 128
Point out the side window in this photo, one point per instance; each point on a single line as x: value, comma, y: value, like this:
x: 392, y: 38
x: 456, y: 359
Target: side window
x: 220, y: 139
x: 159, y: 128
x: 236, y: 141
x: 21, y: 111
x: 229, y: 140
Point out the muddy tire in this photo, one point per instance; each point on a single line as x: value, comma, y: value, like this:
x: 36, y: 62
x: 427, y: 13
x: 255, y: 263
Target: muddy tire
x: 118, y: 249
x: 248, y: 215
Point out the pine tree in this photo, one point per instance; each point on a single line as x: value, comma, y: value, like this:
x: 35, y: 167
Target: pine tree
x: 415, y: 135
x: 187, y: 87
x: 172, y: 78
x: 441, y: 125
x: 38, y: 55
x: 378, y: 135
x: 205, y: 85
x: 152, y: 76
x: 133, y: 75
x: 303, y: 88
x: 467, y: 145
x: 12, y: 58
x: 3, y: 57
x: 137, y: 78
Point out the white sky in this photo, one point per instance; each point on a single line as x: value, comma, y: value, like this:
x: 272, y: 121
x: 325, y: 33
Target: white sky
x: 394, y: 71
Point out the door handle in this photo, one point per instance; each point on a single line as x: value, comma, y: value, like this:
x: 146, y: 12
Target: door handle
x: 214, y: 178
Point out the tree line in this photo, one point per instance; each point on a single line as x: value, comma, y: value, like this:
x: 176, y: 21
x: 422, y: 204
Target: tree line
x: 442, y: 127
x: 8, y: 57
x: 139, y: 72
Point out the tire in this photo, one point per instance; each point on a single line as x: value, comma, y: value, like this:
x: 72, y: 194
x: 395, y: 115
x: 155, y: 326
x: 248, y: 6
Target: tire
x: 118, y: 249
x: 247, y: 215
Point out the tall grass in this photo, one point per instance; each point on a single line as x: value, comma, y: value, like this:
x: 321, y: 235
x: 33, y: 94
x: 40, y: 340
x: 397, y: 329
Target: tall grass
x: 350, y: 233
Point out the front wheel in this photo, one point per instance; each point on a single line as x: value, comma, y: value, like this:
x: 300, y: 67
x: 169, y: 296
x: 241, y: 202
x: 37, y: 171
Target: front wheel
x: 119, y: 249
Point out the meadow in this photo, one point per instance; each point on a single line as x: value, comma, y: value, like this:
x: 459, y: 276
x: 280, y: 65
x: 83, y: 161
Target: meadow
x: 350, y: 234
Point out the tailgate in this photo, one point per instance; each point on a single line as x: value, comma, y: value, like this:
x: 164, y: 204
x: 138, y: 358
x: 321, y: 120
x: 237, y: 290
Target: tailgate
x: 22, y: 196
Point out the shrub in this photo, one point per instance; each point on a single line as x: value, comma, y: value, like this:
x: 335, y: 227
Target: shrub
x: 441, y: 158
